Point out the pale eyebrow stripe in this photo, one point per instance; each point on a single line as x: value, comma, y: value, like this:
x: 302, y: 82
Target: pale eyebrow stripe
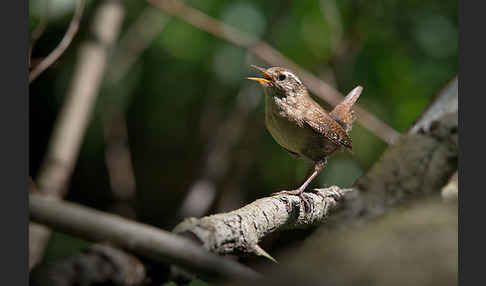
x: 294, y: 77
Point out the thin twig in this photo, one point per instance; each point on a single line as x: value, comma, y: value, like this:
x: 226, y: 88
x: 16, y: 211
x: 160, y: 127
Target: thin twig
x: 44, y: 19
x: 137, y: 238
x: 267, y: 53
x: 74, y: 116
x: 63, y: 45
x: 118, y: 160
x: 39, y: 29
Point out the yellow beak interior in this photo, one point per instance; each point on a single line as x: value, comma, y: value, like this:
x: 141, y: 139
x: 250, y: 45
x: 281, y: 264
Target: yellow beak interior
x: 260, y: 80
x: 267, y: 78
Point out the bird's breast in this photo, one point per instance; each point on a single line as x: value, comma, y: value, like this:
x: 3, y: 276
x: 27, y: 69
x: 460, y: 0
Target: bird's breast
x: 294, y: 135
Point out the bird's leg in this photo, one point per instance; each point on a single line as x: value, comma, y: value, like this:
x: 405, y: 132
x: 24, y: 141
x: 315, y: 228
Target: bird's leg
x: 318, y: 166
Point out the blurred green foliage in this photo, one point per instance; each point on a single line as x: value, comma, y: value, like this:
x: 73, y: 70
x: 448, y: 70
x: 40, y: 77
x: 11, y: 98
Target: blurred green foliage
x: 188, y: 84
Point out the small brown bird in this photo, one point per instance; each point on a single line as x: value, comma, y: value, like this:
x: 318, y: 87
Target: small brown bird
x: 301, y: 125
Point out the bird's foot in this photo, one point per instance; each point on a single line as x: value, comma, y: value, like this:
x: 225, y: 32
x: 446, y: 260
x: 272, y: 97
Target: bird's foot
x: 296, y: 192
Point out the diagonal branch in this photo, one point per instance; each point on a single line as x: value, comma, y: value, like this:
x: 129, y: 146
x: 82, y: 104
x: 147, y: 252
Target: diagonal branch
x: 63, y: 45
x: 137, y: 238
x: 240, y: 231
x: 137, y: 38
x: 74, y: 116
x: 267, y: 53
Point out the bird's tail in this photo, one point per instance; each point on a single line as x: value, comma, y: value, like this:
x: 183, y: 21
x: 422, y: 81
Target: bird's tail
x: 342, y: 113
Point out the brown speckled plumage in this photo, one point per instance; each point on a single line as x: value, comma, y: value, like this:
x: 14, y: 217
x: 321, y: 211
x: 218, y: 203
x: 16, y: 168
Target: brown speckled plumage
x: 300, y: 124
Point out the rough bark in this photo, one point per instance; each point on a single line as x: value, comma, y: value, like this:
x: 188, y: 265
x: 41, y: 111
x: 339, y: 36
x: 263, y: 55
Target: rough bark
x: 137, y: 238
x: 240, y: 231
x: 450, y: 192
x: 414, y: 244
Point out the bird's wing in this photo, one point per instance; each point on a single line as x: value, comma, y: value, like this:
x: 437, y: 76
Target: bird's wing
x: 321, y: 122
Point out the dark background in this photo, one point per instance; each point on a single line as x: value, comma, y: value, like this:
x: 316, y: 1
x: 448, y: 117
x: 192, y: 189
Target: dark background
x: 186, y: 97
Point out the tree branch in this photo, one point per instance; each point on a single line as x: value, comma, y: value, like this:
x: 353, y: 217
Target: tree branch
x: 140, y: 239
x: 419, y: 163
x: 63, y: 45
x: 39, y: 29
x: 240, y: 231
x: 268, y: 54
x: 446, y: 101
x: 415, y: 244
x: 450, y: 192
x: 71, y: 124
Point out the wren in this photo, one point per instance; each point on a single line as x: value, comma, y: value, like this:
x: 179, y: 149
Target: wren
x: 300, y: 125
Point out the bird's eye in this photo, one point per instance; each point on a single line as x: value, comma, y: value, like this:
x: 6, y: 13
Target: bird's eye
x: 281, y: 76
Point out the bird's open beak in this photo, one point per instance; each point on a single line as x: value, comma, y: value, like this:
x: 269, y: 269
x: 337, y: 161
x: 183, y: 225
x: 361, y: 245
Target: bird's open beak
x: 265, y: 80
x: 260, y: 80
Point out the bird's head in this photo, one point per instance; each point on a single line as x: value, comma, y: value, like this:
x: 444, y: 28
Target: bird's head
x: 280, y: 82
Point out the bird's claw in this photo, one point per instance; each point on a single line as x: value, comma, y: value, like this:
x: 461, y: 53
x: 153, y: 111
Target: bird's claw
x: 298, y: 193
